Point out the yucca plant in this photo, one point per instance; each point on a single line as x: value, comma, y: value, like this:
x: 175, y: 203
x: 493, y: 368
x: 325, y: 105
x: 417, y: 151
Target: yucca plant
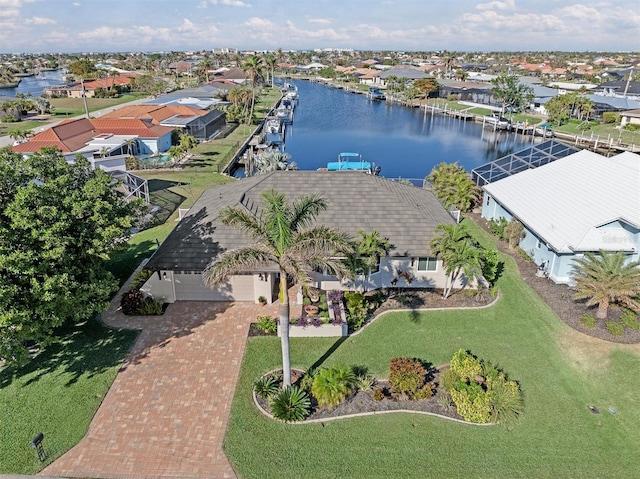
x: 266, y: 386
x: 505, y: 399
x: 291, y: 404
x: 365, y: 383
x: 332, y: 385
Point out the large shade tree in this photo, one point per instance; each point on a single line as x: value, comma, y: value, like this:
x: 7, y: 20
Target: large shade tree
x: 606, y: 278
x: 59, y: 223
x: 512, y: 95
x: 284, y: 234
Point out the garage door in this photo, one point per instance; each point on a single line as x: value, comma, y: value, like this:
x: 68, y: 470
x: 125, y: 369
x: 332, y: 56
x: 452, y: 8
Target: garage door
x: 189, y: 287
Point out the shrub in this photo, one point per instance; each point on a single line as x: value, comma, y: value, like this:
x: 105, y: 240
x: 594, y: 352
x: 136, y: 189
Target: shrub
x: 365, y: 383
x: 150, y: 307
x: 448, y: 379
x: 611, y: 117
x: 514, y: 232
x: 267, y: 324
x: 446, y: 402
x: 466, y: 365
x: 378, y: 394
x: 425, y: 392
x: 131, y: 301
x: 588, y: 320
x: 290, y: 404
x: 266, y: 386
x: 140, y: 278
x: 471, y: 401
x: 332, y: 385
x: 505, y: 399
x: 306, y: 301
x: 497, y: 226
x: 406, y: 376
x: 306, y: 381
x: 615, y: 329
x: 630, y: 319
x: 526, y: 256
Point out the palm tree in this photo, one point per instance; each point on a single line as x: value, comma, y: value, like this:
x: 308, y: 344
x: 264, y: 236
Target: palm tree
x: 274, y: 161
x: 253, y: 67
x: 130, y: 143
x: 370, y: 247
x: 606, y: 278
x: 271, y: 61
x: 283, y: 234
x: 459, y: 254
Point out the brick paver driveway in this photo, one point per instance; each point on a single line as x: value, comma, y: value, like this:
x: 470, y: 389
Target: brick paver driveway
x: 167, y: 411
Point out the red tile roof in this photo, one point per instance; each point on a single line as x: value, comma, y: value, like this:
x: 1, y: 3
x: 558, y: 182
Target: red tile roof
x: 71, y: 135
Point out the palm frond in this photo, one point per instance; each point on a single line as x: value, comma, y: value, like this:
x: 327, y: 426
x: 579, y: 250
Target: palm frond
x: 235, y: 261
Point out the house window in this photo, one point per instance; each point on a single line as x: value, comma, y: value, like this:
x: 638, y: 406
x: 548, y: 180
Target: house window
x: 538, y: 244
x: 488, y: 199
x: 427, y: 264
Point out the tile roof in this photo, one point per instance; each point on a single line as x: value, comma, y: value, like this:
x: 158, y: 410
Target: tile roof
x: 567, y: 201
x: 156, y: 113
x: 406, y: 215
x: 72, y: 135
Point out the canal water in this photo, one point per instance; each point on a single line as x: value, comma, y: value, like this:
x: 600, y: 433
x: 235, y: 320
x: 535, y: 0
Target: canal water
x: 403, y: 141
x: 36, y: 84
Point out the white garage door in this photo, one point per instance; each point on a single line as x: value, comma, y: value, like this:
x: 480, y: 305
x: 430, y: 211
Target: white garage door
x: 189, y: 287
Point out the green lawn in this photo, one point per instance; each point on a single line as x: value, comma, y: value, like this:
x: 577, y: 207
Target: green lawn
x: 75, y: 106
x: 561, y: 372
x: 57, y: 394
x: 605, y: 132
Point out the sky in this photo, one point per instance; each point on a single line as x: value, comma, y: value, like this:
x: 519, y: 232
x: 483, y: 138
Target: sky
x: 407, y: 25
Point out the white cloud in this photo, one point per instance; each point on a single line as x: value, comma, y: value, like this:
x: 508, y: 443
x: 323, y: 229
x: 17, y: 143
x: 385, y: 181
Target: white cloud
x: 324, y: 21
x: 230, y: 3
x: 9, y: 13
x: 76, y: 4
x: 40, y: 21
x: 506, y: 5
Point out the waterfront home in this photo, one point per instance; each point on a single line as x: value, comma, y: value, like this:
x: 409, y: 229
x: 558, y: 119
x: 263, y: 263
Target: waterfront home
x: 581, y: 203
x: 630, y: 117
x: 407, y: 216
x: 88, y: 87
x: 103, y: 138
x: 199, y: 123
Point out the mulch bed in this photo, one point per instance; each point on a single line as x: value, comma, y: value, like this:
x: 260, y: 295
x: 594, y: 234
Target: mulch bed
x: 363, y: 402
x: 559, y: 297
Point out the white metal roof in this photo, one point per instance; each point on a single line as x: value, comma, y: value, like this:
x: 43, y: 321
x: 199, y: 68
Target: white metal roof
x: 570, y: 202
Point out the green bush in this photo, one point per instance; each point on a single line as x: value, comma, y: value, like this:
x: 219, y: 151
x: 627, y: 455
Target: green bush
x: 290, y: 404
x: 306, y: 381
x: 332, y: 385
x: 448, y: 379
x: 472, y: 402
x: 630, y: 319
x: 140, y: 278
x: 267, y: 324
x: 365, y: 383
x: 615, y: 329
x: 631, y: 127
x: 357, y: 308
x: 611, y: 117
x: 425, y: 392
x: 497, y: 226
x: 466, y: 365
x: 266, y: 386
x: 505, y: 399
x: 588, y: 320
x: 150, y: 307
x: 406, y: 377
x: 378, y: 394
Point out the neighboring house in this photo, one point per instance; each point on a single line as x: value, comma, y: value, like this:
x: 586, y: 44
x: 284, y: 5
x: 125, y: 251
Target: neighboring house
x: 402, y: 73
x: 104, y: 142
x: 201, y: 124
x: 630, y: 117
x: 581, y: 203
x: 406, y: 215
x: 78, y: 90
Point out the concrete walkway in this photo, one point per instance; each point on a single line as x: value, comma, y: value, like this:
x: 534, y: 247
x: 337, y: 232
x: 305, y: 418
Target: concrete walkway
x: 166, y: 414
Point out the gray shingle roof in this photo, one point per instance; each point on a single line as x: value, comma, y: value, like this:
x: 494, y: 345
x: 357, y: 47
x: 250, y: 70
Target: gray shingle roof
x: 406, y: 215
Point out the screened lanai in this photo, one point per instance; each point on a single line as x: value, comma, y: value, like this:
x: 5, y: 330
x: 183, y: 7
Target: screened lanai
x: 531, y: 157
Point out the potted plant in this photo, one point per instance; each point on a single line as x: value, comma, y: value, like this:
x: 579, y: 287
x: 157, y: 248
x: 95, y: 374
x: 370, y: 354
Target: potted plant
x: 262, y: 300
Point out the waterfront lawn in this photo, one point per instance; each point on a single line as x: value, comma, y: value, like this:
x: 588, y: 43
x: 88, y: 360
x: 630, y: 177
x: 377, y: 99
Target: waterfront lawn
x: 58, y: 393
x: 7, y: 128
x: 605, y: 131
x: 561, y: 373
